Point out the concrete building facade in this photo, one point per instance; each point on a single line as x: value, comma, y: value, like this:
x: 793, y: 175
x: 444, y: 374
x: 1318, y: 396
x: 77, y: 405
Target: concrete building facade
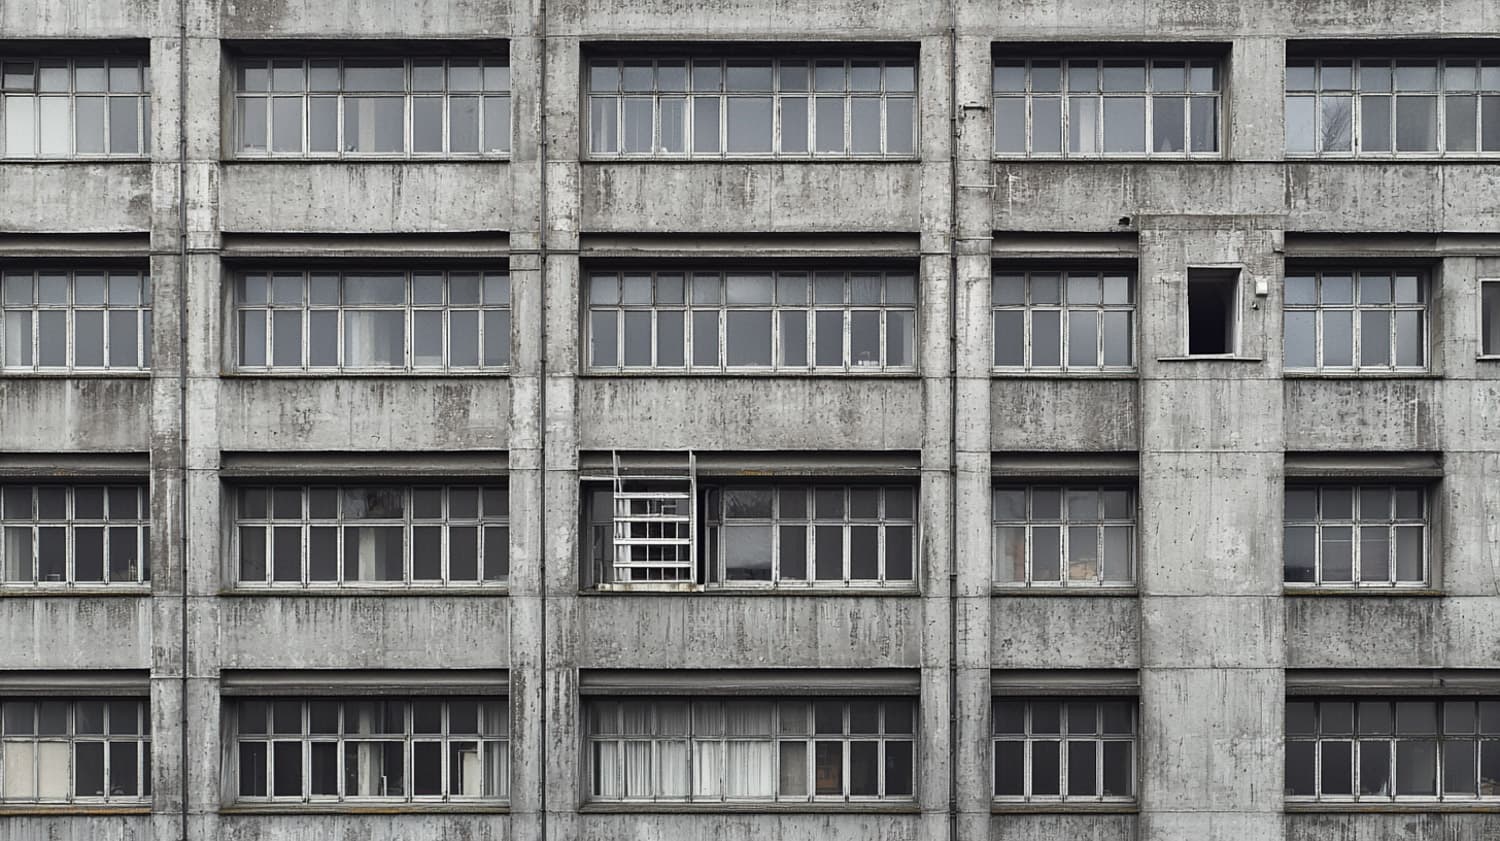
x: 1233, y: 613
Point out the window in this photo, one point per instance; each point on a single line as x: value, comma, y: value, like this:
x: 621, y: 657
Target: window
x: 372, y: 106
x: 84, y: 535
x: 59, y: 320
x: 1356, y: 535
x: 330, y: 536
x: 709, y: 107
x: 852, y: 321
x: 1382, y: 107
x: 388, y: 321
x: 1489, y: 317
x: 417, y: 750
x: 1213, y: 312
x: 57, y: 107
x: 782, y: 535
x: 1064, y: 749
x: 1075, y: 535
x: 1064, y: 321
x: 1383, y: 750
x: 58, y: 750
x: 718, y: 751
x: 1355, y: 320
x: 1086, y: 107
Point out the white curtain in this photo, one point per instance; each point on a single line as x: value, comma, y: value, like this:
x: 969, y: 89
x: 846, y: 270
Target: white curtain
x: 707, y: 770
x: 17, y: 553
x: 750, y: 764
x: 607, y: 769
x: 52, y: 770
x: 638, y: 775
x: 672, y: 776
x: 20, y: 769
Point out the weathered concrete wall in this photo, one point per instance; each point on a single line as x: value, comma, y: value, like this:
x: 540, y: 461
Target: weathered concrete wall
x: 333, y: 198
x: 1091, y: 416
x: 99, y: 415
x: 63, y: 632
x: 79, y: 828
x: 91, y: 198
x: 375, y: 827
x: 1085, y: 632
x: 761, y: 827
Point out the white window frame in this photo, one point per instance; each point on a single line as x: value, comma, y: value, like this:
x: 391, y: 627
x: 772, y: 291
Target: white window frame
x: 1358, y: 736
x: 1489, y: 293
x: 239, y: 711
x: 1029, y: 738
x: 1390, y: 521
x: 110, y: 733
x: 604, y: 99
x: 24, y: 314
x: 494, y: 90
x: 811, y: 521
x: 699, y: 715
x: 491, y: 308
x: 1358, y: 307
x: 133, y: 532
x: 1357, y: 95
x: 1065, y: 524
x: 1191, y: 91
x: 1107, y: 282
x: 489, y: 527
x: 706, y: 293
x: 136, y: 96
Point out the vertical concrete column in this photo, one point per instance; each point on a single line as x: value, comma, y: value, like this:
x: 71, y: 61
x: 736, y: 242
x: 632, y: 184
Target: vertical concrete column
x: 1212, y: 635
x: 1255, y: 101
x: 560, y: 278
x: 525, y: 479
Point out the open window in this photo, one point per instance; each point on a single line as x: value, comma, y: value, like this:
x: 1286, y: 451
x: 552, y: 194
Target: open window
x: 1489, y: 317
x: 1213, y: 312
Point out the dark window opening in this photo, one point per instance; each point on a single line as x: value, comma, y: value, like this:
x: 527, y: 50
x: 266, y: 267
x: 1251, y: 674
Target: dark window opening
x: 1212, y: 311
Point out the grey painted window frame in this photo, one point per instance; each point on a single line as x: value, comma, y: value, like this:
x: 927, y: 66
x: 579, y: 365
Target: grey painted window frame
x: 135, y: 95
x: 1392, y: 522
x: 1065, y: 524
x: 1029, y: 738
x: 133, y: 531
x: 1028, y: 308
x: 71, y: 737
x: 29, y: 310
x: 1418, y: 304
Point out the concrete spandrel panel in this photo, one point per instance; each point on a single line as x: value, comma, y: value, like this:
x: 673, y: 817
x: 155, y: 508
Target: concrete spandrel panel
x: 1065, y: 415
x: 1094, y: 196
x: 1075, y: 632
x: 1211, y: 742
x: 1336, y: 197
x: 75, y: 198
x: 339, y: 197
x: 1205, y: 825
x: 711, y: 631
x: 1242, y: 632
x: 392, y: 413
x: 378, y: 827
x: 1410, y: 826
x: 105, y: 632
x: 67, y: 414
x: 767, y: 19
x: 1060, y: 827
x: 1393, y: 632
x: 88, y: 19
x: 78, y: 828
x: 1221, y: 414
x: 1364, y: 415
x: 366, y: 18
x: 364, y: 632
x: 1469, y: 419
x: 749, y: 827
x: 705, y: 197
x: 1209, y: 523
x: 749, y: 413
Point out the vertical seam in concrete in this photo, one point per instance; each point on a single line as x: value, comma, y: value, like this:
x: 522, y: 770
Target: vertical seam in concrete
x: 541, y: 411
x: 182, y: 390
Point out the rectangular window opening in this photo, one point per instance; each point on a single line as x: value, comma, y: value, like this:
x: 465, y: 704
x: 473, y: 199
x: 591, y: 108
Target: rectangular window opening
x: 1213, y: 312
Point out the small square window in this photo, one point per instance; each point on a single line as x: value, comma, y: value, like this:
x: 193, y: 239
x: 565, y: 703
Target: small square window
x: 1213, y: 312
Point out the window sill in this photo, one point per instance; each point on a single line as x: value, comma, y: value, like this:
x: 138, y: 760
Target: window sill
x: 344, y: 592
x: 1107, y: 592
x: 83, y: 159
x: 700, y: 592
x: 1211, y: 357
x: 859, y: 807
x: 1132, y: 158
x: 1001, y: 808
x: 364, y: 809
x: 1387, y: 158
x: 1360, y: 375
x: 1399, y: 808
x: 495, y: 373
x: 747, y: 159
x: 604, y: 374
x: 367, y: 159
x: 1008, y: 374
x: 76, y: 375
x: 1378, y: 592
x: 1483, y: 358
x: 73, y: 810
x: 12, y: 591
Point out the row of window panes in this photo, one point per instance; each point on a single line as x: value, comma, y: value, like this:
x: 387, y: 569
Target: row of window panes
x: 716, y: 751
x: 1063, y: 320
x: 416, y: 320
x: 800, y: 535
x: 1362, y: 535
x: 75, y: 751
x: 843, y: 321
x: 392, y: 107
x: 1329, y: 326
x: 1377, y: 106
x: 709, y: 107
x: 331, y: 536
x: 1085, y: 107
x: 58, y: 535
x: 1379, y: 750
x: 417, y: 750
x: 1075, y: 535
x: 60, y: 320
x: 1074, y: 750
x: 61, y: 107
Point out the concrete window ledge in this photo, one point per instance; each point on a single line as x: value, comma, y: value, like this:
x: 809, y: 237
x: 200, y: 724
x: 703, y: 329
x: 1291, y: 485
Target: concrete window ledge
x: 590, y: 374
x: 347, y: 592
x: 1210, y: 358
x: 1065, y: 808
x: 1105, y: 592
x: 73, y: 810
x: 139, y: 592
x: 335, y: 376
x: 1348, y: 376
x: 856, y: 808
x: 1408, y: 808
x: 1001, y: 374
x: 1390, y: 593
x: 372, y: 809
x: 744, y: 159
x: 77, y: 375
x: 772, y: 592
